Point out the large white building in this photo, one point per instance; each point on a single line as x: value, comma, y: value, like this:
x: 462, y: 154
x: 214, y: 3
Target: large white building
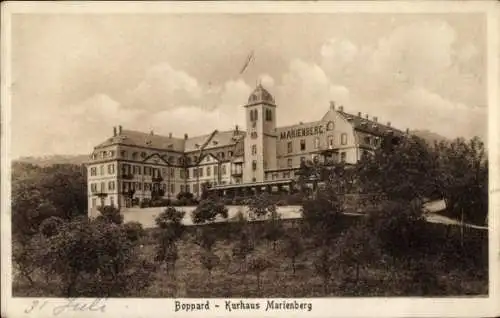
x: 130, y: 166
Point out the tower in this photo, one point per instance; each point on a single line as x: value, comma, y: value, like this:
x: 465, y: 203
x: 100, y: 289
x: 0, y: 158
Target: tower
x: 260, y: 140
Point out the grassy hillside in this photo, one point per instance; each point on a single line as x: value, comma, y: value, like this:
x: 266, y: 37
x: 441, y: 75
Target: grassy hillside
x: 445, y: 269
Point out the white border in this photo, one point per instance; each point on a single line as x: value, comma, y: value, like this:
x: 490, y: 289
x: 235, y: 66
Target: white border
x: 333, y: 307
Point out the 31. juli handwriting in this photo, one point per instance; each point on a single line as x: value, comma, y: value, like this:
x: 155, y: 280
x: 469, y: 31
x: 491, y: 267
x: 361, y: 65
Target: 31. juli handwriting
x: 72, y: 304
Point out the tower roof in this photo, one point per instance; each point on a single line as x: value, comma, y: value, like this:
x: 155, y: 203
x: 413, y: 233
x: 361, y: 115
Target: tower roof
x: 260, y: 95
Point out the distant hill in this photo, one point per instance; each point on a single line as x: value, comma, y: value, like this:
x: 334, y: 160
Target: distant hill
x: 45, y: 161
x: 429, y: 136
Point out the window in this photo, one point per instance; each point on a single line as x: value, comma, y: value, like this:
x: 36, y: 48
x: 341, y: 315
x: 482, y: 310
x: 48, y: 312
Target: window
x: 94, y: 202
x: 223, y: 168
x: 269, y: 115
x: 195, y: 188
x: 230, y: 153
x: 367, y: 140
x: 330, y: 141
x: 93, y: 171
x: 286, y: 174
x: 182, y: 173
x: 343, y: 139
x: 222, y: 155
x: 253, y: 135
x: 254, y: 149
x: 200, y: 172
x: 195, y: 172
x: 316, y: 143
x: 256, y: 115
x: 101, y: 170
x: 209, y: 172
x: 134, y: 155
x: 103, y: 187
x: 195, y: 159
x: 342, y: 156
x: 254, y: 165
x: 93, y: 187
x: 172, y: 188
x: 187, y: 173
x: 123, y: 153
x: 290, y: 147
x: 111, y: 169
x: 111, y: 185
x: 138, y: 186
x: 112, y: 201
x: 216, y: 170
x: 143, y: 154
x: 182, y: 188
x: 188, y: 188
x: 172, y: 172
x: 302, y: 145
x: 289, y: 162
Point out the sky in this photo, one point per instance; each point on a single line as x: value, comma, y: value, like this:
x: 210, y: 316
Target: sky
x: 75, y: 76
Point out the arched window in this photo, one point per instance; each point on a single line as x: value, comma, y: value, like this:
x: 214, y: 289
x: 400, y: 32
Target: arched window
x: 256, y: 115
x: 343, y: 139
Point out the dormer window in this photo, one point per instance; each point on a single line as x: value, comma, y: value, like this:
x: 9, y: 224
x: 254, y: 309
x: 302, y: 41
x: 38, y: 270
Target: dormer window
x: 215, y: 142
x: 197, y: 145
x: 94, y: 156
x: 134, y: 155
x: 123, y: 153
x: 170, y: 146
x: 148, y: 142
x: 143, y: 154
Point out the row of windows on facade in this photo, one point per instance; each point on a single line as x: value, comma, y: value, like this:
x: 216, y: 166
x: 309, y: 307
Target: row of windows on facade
x: 343, y: 157
x: 254, y: 115
x: 128, y: 169
x: 170, y: 159
x: 139, y: 186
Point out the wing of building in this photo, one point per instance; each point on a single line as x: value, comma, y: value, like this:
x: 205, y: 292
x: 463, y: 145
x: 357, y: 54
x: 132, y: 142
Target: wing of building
x: 131, y: 166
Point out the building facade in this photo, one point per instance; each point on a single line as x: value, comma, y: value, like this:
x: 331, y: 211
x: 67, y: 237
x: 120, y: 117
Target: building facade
x: 131, y: 166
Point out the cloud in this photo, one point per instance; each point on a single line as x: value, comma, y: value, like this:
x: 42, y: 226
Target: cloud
x: 307, y: 91
x: 164, y: 87
x: 266, y: 80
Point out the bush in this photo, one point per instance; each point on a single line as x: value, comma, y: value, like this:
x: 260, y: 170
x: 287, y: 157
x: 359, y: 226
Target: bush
x: 145, y: 203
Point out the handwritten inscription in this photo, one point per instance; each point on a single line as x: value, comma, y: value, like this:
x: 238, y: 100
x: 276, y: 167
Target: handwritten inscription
x: 69, y: 305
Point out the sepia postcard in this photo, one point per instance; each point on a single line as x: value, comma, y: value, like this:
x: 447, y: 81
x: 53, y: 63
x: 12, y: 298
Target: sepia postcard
x: 247, y: 159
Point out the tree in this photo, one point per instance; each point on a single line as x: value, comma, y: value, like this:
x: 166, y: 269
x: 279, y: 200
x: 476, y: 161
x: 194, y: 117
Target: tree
x: 208, y: 210
x: 134, y: 231
x: 293, y: 248
x: 261, y: 206
x: 209, y: 260
x: 356, y: 247
x: 110, y: 214
x: 258, y: 265
x: 205, y: 237
x: 322, y: 214
x: 171, y: 230
x: 322, y: 262
x: 273, y: 228
x: 95, y: 258
x: 243, y: 247
x: 462, y: 176
x: 400, y: 229
x: 51, y: 226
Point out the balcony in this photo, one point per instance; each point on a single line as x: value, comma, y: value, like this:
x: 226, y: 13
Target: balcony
x: 127, y: 176
x: 157, y: 179
x: 236, y: 173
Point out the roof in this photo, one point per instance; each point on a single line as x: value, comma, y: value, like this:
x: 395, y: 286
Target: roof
x: 141, y: 139
x: 215, y: 139
x: 367, y: 125
x: 260, y: 95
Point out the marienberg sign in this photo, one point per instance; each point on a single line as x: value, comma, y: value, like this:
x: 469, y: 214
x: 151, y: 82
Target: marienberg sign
x: 306, y: 131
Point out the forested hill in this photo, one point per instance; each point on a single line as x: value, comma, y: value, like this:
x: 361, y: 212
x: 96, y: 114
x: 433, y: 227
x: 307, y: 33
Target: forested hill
x: 45, y: 161
x: 429, y: 136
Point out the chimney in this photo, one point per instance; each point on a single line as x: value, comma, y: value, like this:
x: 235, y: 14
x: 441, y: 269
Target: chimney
x: 119, y: 129
x: 359, y: 114
x: 151, y: 132
x: 332, y: 105
x: 375, y: 119
x: 114, y: 131
x: 185, y: 136
x: 170, y: 135
x: 341, y: 108
x: 367, y: 117
x: 389, y: 123
x: 407, y: 131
